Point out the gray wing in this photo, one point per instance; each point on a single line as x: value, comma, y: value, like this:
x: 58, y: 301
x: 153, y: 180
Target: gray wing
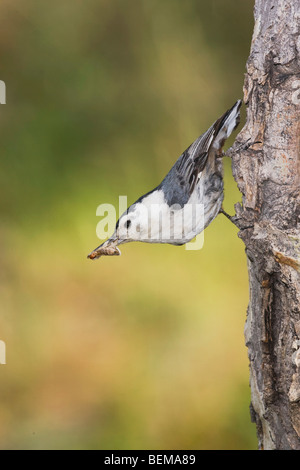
x: 180, y: 182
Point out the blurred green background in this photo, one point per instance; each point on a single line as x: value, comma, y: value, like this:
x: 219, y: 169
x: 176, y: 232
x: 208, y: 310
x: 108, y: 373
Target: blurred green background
x: 146, y: 350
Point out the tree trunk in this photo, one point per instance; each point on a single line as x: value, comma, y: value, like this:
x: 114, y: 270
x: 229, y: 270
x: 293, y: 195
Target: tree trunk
x: 266, y: 164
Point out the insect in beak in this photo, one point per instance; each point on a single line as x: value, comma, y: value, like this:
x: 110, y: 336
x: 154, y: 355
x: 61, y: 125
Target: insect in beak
x: 108, y: 248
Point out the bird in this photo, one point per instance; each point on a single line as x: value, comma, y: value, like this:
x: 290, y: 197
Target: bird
x: 187, y: 200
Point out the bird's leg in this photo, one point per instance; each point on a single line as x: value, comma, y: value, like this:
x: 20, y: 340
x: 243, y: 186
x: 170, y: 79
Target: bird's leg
x: 241, y: 147
x: 232, y: 218
x: 221, y: 154
x: 221, y: 211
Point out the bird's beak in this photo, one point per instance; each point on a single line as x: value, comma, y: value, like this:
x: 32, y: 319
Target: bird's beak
x: 108, y: 248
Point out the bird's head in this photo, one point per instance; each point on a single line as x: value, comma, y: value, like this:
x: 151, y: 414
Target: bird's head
x: 131, y: 226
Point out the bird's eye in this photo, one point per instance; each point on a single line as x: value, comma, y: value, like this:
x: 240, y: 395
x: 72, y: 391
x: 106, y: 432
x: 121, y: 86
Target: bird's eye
x: 127, y: 223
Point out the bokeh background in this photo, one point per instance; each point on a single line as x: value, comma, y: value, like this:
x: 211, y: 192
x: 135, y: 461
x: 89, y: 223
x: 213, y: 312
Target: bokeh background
x: 146, y: 350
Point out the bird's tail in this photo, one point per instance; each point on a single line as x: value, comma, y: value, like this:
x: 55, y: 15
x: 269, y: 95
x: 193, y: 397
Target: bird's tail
x: 225, y: 125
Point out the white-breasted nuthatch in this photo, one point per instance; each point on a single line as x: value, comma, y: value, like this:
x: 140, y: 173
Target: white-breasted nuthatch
x: 186, y: 201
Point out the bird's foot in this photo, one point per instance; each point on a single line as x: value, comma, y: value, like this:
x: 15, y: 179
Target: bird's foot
x: 232, y: 218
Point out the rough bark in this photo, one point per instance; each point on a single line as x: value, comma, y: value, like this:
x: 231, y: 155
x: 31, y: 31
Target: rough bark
x: 266, y: 167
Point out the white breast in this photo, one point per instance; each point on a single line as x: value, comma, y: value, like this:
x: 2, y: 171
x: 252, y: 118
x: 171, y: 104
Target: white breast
x: 165, y: 224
